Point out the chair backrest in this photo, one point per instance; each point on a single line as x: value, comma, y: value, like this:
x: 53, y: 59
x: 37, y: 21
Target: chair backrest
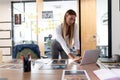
x: 25, y: 49
x: 26, y: 52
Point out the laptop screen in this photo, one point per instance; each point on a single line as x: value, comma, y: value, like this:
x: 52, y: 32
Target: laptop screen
x: 90, y: 56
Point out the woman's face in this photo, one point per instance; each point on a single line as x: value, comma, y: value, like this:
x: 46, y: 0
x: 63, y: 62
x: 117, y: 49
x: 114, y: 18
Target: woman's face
x: 70, y: 19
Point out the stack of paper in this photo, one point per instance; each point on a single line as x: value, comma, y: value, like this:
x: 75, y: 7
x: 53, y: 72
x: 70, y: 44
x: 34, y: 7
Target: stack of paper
x: 108, y: 74
x: 75, y: 75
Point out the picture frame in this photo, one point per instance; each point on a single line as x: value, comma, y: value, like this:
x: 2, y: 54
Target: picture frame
x: 17, y: 19
x: 47, y: 14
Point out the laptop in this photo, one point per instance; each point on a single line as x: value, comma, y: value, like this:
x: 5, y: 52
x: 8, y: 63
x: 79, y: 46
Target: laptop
x: 90, y: 56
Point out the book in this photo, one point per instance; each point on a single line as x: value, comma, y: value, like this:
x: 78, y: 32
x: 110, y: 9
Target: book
x: 75, y: 75
x: 108, y: 74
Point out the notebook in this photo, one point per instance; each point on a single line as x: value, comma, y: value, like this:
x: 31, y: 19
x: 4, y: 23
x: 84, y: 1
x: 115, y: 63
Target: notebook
x: 90, y: 56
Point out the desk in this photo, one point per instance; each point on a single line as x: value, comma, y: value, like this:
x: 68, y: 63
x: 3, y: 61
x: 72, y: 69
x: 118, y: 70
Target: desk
x: 45, y: 74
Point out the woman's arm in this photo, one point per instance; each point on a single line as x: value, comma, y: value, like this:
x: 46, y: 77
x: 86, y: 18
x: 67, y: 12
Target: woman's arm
x: 74, y: 58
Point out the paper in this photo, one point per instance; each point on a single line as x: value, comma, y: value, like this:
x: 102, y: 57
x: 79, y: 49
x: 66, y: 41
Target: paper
x: 107, y: 74
x: 117, y: 71
x: 75, y: 75
x: 59, y: 64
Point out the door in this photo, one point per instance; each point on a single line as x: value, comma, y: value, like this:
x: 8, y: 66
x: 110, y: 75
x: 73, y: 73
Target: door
x: 88, y: 24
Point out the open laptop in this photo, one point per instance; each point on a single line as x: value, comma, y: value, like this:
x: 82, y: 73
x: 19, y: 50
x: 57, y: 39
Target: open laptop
x: 90, y: 56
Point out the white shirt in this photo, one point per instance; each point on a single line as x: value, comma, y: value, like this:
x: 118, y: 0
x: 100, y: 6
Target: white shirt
x: 59, y: 38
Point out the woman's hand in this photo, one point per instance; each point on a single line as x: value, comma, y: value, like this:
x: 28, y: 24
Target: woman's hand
x: 77, y: 58
x: 74, y: 58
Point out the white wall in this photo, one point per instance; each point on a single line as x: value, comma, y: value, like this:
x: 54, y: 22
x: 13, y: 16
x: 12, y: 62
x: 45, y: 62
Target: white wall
x: 5, y: 16
x: 115, y: 27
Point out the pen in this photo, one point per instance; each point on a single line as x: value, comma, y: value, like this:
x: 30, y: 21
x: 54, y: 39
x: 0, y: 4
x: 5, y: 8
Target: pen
x: 97, y: 65
x: 29, y: 57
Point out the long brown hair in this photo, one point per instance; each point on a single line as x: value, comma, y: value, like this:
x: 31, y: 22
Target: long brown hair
x: 71, y: 28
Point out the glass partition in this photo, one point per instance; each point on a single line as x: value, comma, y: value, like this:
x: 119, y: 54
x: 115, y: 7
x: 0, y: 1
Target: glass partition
x: 103, y: 28
x: 25, y: 27
x: 24, y: 22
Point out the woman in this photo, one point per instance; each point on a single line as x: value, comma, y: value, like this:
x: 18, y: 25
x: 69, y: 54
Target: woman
x: 67, y: 36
